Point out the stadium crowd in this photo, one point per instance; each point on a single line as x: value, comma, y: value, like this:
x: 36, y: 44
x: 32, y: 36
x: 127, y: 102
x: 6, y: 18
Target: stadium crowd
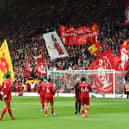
x: 24, y: 25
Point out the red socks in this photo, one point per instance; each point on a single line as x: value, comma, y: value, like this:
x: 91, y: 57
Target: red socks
x: 3, y: 112
x: 10, y: 112
x: 52, y: 111
x: 43, y: 106
x: 87, y: 108
x: 45, y: 112
x: 83, y: 111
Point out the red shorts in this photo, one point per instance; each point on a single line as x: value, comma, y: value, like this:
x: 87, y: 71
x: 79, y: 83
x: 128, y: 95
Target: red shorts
x: 49, y: 99
x: 7, y: 100
x: 42, y: 99
x: 85, y: 100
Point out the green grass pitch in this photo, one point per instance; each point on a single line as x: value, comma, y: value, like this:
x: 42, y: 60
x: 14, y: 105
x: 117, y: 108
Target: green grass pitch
x: 103, y: 114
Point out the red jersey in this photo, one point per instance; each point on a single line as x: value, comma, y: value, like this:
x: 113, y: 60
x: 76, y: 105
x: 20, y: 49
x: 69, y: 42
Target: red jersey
x: 7, y: 90
x: 84, y: 89
x: 49, y: 90
x: 41, y: 89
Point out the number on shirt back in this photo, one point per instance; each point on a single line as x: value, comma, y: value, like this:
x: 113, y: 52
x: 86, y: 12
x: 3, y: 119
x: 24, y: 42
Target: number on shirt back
x: 84, y: 89
x: 48, y: 91
x: 4, y: 85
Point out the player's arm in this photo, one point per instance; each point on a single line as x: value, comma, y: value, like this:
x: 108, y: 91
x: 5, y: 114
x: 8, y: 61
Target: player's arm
x: 53, y: 90
x: 1, y: 96
x: 90, y: 89
x: 5, y: 90
x: 39, y: 88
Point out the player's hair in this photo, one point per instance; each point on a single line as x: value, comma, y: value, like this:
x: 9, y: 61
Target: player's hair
x: 41, y: 79
x: 83, y: 79
x: 7, y: 75
x: 49, y: 79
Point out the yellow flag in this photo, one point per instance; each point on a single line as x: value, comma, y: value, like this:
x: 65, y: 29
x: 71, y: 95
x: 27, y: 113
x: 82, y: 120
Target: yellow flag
x: 92, y: 49
x: 126, y: 42
x: 5, y: 62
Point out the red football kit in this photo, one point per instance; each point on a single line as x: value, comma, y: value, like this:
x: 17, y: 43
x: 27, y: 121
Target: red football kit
x: 41, y: 91
x: 1, y: 96
x: 7, y: 98
x: 7, y: 90
x: 84, y: 93
x: 49, y: 90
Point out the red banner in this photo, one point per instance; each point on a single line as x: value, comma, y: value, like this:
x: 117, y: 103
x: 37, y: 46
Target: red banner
x: 103, y: 81
x: 41, y: 66
x: 79, y: 36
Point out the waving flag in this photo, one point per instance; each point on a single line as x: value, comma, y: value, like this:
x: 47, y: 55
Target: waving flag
x: 5, y: 62
x: 94, y: 49
x: 54, y: 45
x: 117, y: 62
x: 124, y: 51
x: 41, y: 66
x: 103, y: 81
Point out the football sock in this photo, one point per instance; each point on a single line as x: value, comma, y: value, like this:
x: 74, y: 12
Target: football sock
x: 42, y: 105
x: 45, y: 111
x: 82, y: 111
x: 52, y: 110
x: 87, y: 108
x: 3, y: 112
x: 10, y: 112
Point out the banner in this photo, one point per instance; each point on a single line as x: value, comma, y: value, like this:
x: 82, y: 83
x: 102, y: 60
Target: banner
x: 41, y: 66
x: 54, y: 45
x: 126, y: 12
x: 79, y: 36
x: 103, y: 81
x: 27, y: 68
x: 5, y: 62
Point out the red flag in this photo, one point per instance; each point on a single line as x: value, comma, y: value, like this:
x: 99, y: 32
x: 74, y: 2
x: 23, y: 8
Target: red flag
x: 79, y: 36
x: 27, y: 68
x: 103, y: 81
x: 126, y: 42
x: 124, y: 51
x: 117, y: 62
x: 41, y: 66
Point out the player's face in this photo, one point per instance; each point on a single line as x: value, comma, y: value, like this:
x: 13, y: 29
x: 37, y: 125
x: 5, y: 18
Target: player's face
x: 78, y: 81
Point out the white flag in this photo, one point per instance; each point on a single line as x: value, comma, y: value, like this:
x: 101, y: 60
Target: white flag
x: 54, y: 45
